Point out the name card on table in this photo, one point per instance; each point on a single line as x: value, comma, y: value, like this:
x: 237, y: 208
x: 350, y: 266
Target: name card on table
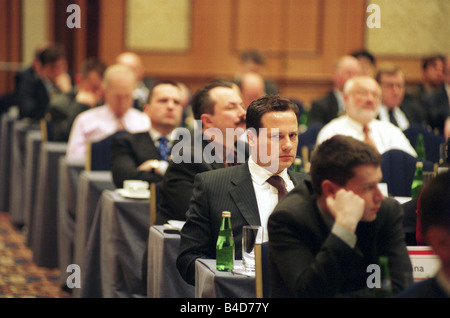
x: 424, y: 261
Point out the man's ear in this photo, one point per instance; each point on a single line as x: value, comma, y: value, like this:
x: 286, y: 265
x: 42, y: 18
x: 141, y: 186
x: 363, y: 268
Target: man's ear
x: 329, y: 188
x: 252, y: 138
x: 206, y: 121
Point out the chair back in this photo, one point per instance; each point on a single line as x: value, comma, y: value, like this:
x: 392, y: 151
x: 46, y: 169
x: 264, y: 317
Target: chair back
x: 154, y: 199
x: 46, y: 127
x: 431, y: 140
x: 262, y: 281
x: 307, y: 141
x: 98, y: 154
x: 398, y: 169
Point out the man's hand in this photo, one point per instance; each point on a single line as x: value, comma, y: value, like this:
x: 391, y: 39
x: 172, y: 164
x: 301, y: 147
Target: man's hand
x: 87, y: 98
x: 447, y: 129
x: 64, y: 83
x: 347, y: 209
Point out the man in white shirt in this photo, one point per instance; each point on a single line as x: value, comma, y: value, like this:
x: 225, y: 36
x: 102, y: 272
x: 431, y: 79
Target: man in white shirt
x: 115, y: 115
x: 361, y: 97
x: 394, y: 107
x: 244, y: 190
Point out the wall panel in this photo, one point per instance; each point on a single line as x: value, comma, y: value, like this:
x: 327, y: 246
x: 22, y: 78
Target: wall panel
x: 301, y: 38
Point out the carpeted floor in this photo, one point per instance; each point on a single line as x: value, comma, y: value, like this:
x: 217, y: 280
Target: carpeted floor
x: 19, y: 276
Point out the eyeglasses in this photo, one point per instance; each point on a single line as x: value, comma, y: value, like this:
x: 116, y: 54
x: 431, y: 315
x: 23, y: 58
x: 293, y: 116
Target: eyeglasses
x: 366, y: 93
x: 392, y: 85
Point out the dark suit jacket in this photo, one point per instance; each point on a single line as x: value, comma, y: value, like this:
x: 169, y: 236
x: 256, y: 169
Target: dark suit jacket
x: 128, y: 152
x: 413, y: 111
x: 229, y: 189
x: 178, y: 182
x: 438, y: 109
x: 31, y: 95
x: 307, y: 260
x: 324, y: 109
x: 428, y: 288
x: 63, y: 111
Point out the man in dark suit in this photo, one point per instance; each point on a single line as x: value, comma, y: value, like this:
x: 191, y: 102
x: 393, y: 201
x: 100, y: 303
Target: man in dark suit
x: 434, y: 217
x: 330, y: 106
x: 244, y: 190
x: 324, y: 236
x: 394, y: 107
x: 145, y: 156
x: 217, y: 106
x: 38, y: 84
x: 438, y: 104
x: 432, y: 78
x: 87, y: 93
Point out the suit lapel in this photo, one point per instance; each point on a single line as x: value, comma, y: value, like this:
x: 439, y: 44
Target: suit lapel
x: 147, y: 145
x: 243, y: 194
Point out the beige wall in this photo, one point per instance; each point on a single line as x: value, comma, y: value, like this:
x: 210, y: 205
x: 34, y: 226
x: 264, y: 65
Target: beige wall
x: 35, y: 28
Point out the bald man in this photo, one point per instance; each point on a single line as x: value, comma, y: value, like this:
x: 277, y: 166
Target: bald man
x: 332, y: 105
x: 134, y: 61
x: 252, y: 87
x: 115, y: 115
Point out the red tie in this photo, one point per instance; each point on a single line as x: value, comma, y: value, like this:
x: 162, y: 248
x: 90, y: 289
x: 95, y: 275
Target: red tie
x: 278, y: 183
x: 367, y: 138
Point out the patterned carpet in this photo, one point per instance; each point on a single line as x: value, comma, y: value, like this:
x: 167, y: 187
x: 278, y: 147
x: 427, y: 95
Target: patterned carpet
x: 19, y: 276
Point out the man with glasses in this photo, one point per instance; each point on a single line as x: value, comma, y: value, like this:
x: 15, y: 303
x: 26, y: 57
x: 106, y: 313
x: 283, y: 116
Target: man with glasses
x: 362, y: 97
x: 395, y: 108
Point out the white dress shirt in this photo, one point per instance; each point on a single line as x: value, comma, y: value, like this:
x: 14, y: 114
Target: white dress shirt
x: 98, y: 123
x: 266, y: 194
x: 386, y: 136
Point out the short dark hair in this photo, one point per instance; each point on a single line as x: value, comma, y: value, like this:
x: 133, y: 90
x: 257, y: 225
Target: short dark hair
x: 387, y: 68
x: 157, y: 83
x: 92, y: 64
x: 427, y: 61
x: 336, y: 158
x: 366, y: 54
x: 202, y: 103
x: 435, y: 203
x: 49, y: 53
x: 266, y: 104
x: 253, y: 56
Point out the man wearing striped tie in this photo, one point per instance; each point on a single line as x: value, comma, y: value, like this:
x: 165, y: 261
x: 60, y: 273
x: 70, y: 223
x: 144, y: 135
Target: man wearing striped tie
x: 145, y: 156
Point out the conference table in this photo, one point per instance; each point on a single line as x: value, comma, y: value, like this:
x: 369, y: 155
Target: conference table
x: 112, y: 265
x: 33, y: 150
x: 163, y: 278
x: 5, y: 159
x: 211, y: 283
x: 91, y: 185
x: 18, y: 155
x: 44, y: 236
x: 68, y: 176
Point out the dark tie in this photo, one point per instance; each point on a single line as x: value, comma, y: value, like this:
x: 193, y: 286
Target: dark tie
x: 164, y: 148
x: 392, y: 118
x: 278, y: 183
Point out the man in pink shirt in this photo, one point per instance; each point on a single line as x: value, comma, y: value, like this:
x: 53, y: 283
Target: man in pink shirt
x: 116, y: 114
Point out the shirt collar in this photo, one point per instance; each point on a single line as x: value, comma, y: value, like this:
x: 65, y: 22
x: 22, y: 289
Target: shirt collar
x: 260, y: 174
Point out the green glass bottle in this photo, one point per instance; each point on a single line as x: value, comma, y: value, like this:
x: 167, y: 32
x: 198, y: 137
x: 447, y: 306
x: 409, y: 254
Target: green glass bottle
x: 420, y: 147
x: 385, y: 289
x: 225, y: 244
x: 297, y: 165
x: 417, y: 182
